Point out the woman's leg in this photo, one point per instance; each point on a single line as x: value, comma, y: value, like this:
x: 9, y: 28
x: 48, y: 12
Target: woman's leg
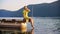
x: 32, y: 22
x: 29, y: 20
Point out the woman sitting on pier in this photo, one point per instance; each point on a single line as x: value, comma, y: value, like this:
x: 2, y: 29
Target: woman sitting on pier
x: 26, y: 17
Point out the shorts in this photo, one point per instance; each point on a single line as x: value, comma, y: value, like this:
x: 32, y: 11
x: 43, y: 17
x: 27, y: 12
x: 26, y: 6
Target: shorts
x: 27, y: 19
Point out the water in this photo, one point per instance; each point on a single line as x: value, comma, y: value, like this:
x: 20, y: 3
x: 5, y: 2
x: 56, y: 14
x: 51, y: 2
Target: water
x: 42, y: 25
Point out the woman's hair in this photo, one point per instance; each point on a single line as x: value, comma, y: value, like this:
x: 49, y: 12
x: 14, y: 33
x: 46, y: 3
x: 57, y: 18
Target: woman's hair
x: 25, y: 7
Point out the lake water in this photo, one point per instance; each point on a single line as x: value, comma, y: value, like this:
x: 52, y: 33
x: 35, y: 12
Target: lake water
x: 42, y: 25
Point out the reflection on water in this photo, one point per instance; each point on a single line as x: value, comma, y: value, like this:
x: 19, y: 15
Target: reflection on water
x: 15, y: 31
x: 47, y: 25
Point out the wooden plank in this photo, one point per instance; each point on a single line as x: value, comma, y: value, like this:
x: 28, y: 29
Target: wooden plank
x: 12, y: 24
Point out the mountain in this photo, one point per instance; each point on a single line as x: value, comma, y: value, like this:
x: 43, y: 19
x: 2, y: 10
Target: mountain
x: 39, y: 10
x: 47, y: 10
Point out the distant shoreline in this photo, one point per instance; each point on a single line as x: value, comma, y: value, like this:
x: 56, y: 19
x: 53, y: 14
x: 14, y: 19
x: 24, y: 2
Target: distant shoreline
x: 22, y: 17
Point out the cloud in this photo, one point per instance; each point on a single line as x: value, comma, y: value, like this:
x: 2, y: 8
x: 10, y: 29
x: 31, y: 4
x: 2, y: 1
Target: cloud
x: 14, y: 5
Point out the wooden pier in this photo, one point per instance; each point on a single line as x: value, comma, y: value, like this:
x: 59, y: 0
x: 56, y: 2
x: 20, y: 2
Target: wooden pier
x: 13, y: 23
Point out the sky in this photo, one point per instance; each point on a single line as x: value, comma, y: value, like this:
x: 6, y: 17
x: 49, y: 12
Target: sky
x: 13, y: 5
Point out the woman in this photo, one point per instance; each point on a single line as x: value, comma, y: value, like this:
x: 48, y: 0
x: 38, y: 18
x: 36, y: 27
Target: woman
x: 26, y: 17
